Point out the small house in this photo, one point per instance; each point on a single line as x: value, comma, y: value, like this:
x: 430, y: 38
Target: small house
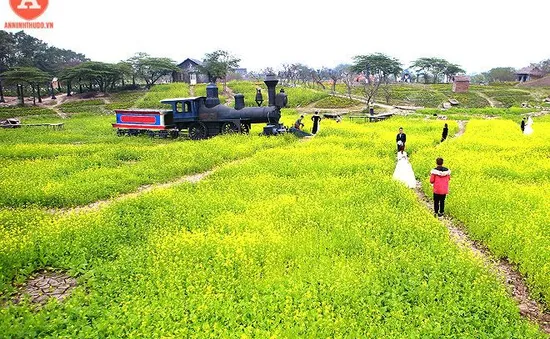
x: 529, y: 73
x: 190, y: 72
x: 461, y: 83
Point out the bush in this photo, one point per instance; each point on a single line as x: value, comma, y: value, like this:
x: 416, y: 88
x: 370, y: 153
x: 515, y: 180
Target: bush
x: 337, y: 102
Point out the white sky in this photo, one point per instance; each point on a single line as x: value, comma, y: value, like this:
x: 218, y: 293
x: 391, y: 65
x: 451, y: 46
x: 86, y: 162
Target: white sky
x: 476, y: 34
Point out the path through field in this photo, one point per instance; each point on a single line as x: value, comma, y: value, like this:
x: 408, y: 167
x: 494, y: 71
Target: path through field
x: 489, y: 100
x: 515, y: 282
x: 193, y: 178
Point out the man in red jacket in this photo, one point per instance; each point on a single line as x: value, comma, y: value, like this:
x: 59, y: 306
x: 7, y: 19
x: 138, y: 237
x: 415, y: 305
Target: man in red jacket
x: 439, y: 178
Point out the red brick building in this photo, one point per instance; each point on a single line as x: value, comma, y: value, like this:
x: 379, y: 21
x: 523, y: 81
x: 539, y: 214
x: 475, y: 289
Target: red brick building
x: 461, y: 84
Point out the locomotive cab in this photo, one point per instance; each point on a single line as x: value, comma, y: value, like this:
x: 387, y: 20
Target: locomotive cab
x: 183, y: 108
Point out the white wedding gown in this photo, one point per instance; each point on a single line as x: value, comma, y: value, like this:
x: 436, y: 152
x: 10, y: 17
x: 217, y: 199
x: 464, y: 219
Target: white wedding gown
x: 403, y: 170
x: 528, y: 126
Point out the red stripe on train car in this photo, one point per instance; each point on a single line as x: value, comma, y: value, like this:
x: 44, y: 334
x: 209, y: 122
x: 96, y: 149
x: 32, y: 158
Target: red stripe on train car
x: 138, y: 118
x: 119, y: 111
x: 138, y: 126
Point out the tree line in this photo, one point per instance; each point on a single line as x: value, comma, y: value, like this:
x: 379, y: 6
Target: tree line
x: 29, y: 63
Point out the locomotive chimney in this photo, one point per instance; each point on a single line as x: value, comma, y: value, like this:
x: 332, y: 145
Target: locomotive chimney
x: 271, y: 81
x: 212, y: 98
x: 239, y: 101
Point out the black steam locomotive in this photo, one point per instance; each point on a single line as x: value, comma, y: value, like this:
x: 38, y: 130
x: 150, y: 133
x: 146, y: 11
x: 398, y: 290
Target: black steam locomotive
x: 203, y: 117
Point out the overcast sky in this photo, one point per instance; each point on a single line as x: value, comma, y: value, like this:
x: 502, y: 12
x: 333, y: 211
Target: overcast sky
x: 476, y: 34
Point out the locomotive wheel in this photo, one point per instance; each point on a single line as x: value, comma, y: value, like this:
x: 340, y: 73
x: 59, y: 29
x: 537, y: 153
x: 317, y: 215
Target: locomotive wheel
x: 198, y: 131
x: 174, y: 134
x: 245, y: 128
x: 229, y: 127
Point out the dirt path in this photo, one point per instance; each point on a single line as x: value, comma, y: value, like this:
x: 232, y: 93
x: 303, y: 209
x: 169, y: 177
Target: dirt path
x: 517, y: 287
x: 484, y: 96
x: 61, y: 99
x: 528, y: 307
x: 193, y: 178
x: 230, y: 96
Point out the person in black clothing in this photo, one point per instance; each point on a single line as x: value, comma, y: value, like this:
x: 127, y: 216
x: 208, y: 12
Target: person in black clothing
x: 522, y: 125
x: 445, y: 133
x: 401, y: 137
x: 316, y: 121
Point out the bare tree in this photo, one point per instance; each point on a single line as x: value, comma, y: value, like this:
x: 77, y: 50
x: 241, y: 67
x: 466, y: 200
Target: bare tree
x: 370, y: 89
x: 318, y: 75
x: 348, y: 76
x: 387, y: 91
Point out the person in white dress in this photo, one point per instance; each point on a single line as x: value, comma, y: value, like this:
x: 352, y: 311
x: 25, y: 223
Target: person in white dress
x: 528, y: 126
x: 403, y: 169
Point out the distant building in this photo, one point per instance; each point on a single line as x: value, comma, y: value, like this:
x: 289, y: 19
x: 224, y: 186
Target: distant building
x: 461, y: 83
x: 241, y: 71
x: 529, y: 73
x: 190, y: 72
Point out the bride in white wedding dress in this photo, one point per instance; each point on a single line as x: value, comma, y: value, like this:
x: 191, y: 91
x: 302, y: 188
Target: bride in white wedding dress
x: 403, y: 169
x: 528, y: 126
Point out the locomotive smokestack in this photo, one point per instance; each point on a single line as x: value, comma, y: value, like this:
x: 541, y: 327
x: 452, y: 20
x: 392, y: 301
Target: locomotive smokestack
x: 212, y: 98
x: 271, y: 81
x: 239, y: 101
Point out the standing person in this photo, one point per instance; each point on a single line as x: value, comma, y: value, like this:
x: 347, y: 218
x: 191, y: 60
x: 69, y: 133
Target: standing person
x: 522, y: 125
x: 403, y: 169
x: 528, y: 126
x: 298, y: 124
x: 316, y: 121
x: 401, y: 137
x: 445, y: 133
x: 439, y: 178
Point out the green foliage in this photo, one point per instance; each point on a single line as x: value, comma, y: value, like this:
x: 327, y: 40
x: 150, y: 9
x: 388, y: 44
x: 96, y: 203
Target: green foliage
x: 124, y: 100
x: 414, y: 95
x: 467, y: 100
x: 151, y: 69
x: 82, y: 106
x: 13, y: 112
x: 510, y: 97
x: 499, y: 190
x: 218, y: 64
x: 276, y: 245
x: 53, y: 171
x: 337, y: 102
x: 434, y: 68
x: 377, y: 63
x: 160, y: 92
x: 302, y: 97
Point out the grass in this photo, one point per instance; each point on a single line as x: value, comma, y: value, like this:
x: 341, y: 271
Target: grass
x: 16, y: 111
x: 499, y: 190
x: 279, y: 244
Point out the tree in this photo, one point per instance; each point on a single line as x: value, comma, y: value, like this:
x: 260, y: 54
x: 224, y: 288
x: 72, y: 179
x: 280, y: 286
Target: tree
x: 451, y: 70
x: 544, y: 66
x: 435, y: 67
x: 29, y: 75
x: 377, y: 64
x: 102, y: 74
x: 125, y: 70
x: 152, y: 69
x: 218, y: 64
x: 7, y: 50
x: 499, y: 74
x: 135, y: 62
x: 318, y: 75
x: 348, y: 77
